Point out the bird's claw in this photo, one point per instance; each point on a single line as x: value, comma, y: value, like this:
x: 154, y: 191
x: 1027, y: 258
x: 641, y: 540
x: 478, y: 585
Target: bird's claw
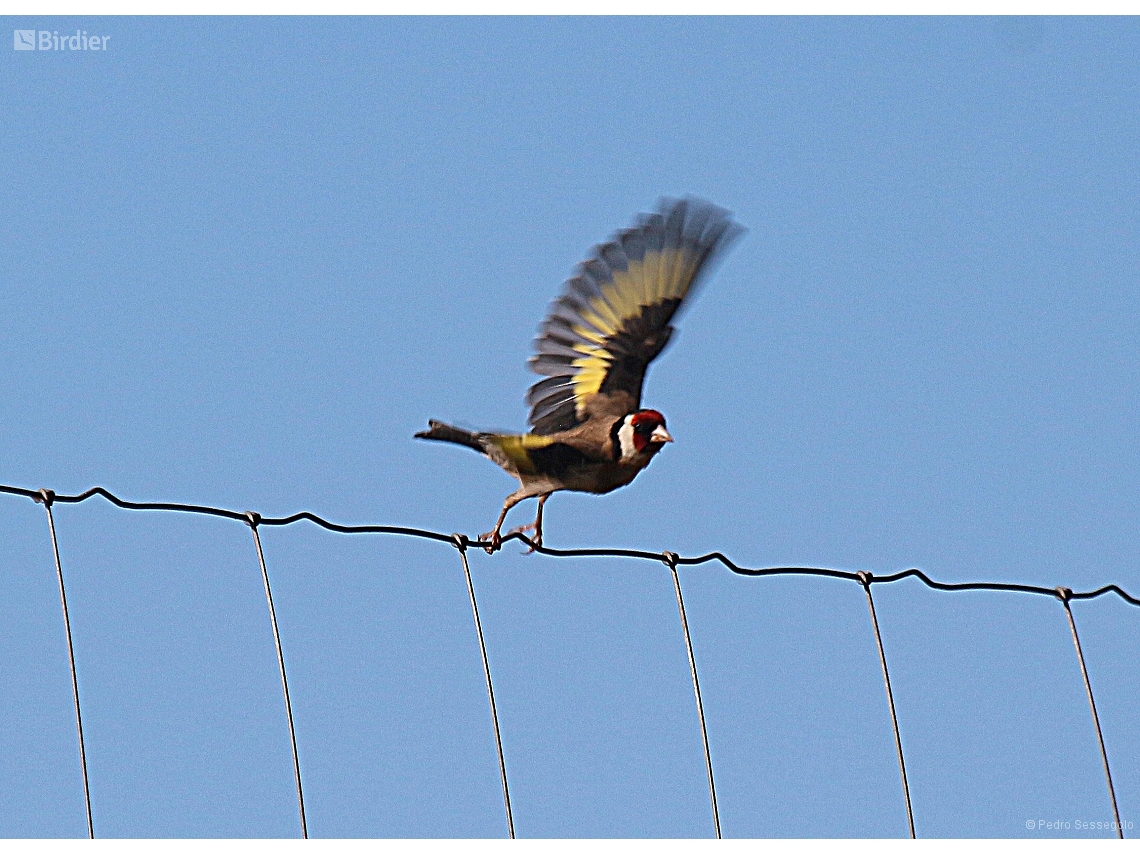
x: 536, y: 541
x: 492, y: 541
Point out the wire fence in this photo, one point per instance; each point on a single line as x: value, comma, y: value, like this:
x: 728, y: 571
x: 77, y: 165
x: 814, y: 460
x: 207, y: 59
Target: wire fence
x: 462, y: 543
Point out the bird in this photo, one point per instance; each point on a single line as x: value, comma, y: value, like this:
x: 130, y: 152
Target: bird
x: 589, y: 432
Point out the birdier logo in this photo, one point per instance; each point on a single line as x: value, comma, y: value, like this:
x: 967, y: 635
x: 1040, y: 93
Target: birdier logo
x: 52, y: 40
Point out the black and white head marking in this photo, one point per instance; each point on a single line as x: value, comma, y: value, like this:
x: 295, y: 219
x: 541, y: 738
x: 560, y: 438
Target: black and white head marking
x: 639, y: 436
x: 624, y: 448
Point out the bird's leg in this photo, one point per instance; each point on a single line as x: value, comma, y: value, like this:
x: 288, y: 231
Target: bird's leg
x: 538, y: 523
x: 495, y: 539
x: 535, y: 526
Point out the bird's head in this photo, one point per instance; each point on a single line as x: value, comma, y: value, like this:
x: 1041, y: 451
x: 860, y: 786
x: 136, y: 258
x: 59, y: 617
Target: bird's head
x: 641, y: 434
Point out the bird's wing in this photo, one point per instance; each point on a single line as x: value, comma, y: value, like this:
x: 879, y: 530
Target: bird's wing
x: 613, y: 317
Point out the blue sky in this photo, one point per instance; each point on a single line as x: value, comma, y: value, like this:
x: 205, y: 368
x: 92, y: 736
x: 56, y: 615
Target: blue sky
x: 246, y: 259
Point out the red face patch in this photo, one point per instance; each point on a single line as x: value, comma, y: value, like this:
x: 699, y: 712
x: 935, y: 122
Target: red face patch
x: 644, y: 423
x: 647, y: 420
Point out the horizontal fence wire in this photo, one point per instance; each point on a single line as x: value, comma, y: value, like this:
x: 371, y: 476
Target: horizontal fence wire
x: 671, y: 559
x: 666, y: 557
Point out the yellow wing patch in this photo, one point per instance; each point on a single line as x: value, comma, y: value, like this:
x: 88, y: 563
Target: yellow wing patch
x: 661, y: 276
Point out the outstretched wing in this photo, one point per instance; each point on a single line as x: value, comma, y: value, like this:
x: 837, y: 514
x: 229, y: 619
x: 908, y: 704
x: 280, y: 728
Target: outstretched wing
x: 613, y: 317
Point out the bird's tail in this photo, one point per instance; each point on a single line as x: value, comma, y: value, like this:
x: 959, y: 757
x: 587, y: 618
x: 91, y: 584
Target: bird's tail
x: 447, y: 433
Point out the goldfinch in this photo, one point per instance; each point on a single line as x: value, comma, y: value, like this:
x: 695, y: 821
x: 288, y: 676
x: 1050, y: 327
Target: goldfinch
x: 589, y: 432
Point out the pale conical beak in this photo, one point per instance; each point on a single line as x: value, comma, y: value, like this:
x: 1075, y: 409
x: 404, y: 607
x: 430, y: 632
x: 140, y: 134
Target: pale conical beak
x: 660, y: 435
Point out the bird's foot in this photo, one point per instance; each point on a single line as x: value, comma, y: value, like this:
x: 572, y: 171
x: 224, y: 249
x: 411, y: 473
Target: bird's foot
x: 536, y: 541
x: 492, y: 541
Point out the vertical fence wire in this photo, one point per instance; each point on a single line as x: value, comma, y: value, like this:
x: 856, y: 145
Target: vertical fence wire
x: 254, y: 519
x: 1064, y: 594
x: 671, y: 560
x: 460, y: 543
x: 865, y: 581
x: 46, y: 497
